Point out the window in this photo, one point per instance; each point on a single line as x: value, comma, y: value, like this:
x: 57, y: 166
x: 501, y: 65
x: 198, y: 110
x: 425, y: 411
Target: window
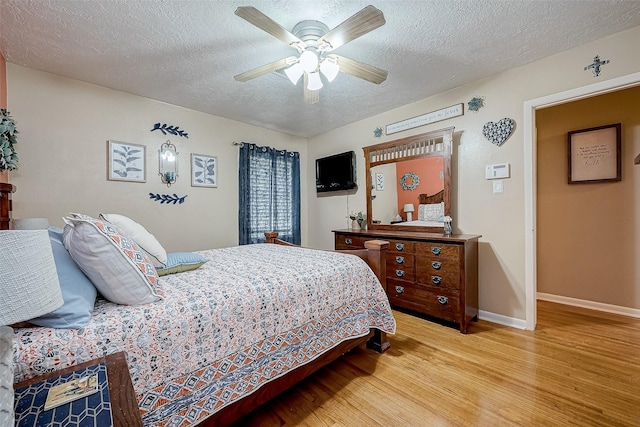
x: 269, y: 196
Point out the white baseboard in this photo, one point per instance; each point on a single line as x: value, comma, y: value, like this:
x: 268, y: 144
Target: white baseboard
x: 502, y: 320
x: 609, y: 308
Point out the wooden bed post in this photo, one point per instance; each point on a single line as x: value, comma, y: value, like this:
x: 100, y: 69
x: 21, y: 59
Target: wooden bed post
x: 376, y: 258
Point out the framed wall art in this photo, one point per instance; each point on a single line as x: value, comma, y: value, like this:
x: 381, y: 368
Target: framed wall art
x: 595, y: 154
x: 204, y: 170
x: 126, y: 162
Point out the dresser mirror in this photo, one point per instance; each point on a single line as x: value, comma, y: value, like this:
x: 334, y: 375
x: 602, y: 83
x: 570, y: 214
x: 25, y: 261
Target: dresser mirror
x: 409, y: 182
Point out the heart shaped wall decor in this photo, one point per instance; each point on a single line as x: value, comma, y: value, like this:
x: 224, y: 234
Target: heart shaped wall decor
x: 499, y: 132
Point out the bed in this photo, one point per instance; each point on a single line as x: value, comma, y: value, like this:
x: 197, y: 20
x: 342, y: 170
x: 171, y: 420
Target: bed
x: 430, y: 211
x: 228, y: 336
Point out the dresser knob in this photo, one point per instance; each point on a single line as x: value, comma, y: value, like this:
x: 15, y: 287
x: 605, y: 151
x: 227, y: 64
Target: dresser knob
x: 436, y: 250
x: 399, y: 246
x: 436, y: 280
x: 348, y: 241
x: 436, y: 265
x: 399, y: 290
x: 400, y: 273
x: 442, y: 299
x: 400, y: 259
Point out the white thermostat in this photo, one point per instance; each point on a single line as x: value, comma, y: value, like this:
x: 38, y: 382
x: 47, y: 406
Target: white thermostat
x: 500, y: 170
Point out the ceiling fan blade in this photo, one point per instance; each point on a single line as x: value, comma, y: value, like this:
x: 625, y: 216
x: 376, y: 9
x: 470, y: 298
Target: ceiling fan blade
x: 368, y: 19
x: 361, y: 70
x: 310, y: 96
x: 262, y: 21
x: 266, y: 69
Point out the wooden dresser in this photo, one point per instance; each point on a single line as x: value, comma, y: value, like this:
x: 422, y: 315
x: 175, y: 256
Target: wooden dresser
x: 426, y: 272
x: 5, y: 204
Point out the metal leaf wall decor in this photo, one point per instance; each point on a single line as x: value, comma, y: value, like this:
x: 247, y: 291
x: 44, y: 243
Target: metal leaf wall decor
x: 173, y: 130
x: 167, y: 198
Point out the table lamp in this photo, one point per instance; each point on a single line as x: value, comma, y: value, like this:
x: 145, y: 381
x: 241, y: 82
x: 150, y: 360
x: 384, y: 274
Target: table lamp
x: 408, y: 208
x: 29, y: 288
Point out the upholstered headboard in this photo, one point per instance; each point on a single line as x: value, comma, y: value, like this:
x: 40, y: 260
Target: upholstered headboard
x: 434, y: 198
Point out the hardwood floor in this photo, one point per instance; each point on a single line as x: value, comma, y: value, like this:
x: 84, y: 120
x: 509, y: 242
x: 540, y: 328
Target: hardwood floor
x: 578, y: 368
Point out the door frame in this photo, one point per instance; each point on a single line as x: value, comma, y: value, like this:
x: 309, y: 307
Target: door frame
x: 530, y: 173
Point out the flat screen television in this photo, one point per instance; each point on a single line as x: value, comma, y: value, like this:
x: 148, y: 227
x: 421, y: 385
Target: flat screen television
x: 336, y: 173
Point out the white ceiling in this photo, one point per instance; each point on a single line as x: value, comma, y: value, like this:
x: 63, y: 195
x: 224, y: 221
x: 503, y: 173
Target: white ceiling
x: 186, y: 52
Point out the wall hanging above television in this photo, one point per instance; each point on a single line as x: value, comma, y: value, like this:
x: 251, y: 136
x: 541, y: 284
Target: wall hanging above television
x: 336, y: 173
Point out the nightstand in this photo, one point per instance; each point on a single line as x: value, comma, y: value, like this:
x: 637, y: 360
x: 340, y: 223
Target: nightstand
x: 124, y: 405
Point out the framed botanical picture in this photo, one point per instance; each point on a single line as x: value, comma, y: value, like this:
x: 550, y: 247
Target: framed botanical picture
x: 126, y: 162
x: 204, y: 170
x: 595, y: 154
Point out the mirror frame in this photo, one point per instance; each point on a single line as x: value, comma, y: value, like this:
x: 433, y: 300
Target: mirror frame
x: 430, y: 144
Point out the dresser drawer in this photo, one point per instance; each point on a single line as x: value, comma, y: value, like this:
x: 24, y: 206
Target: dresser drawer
x: 438, y: 303
x: 439, y: 250
x: 400, y: 266
x: 401, y: 246
x: 444, y: 273
x: 347, y: 241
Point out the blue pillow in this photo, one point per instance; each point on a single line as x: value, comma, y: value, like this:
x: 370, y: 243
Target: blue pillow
x: 78, y: 292
x: 177, y: 262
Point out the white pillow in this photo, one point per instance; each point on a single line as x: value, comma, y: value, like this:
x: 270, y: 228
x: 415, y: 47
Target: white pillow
x: 143, y: 238
x: 117, y: 267
x: 430, y: 212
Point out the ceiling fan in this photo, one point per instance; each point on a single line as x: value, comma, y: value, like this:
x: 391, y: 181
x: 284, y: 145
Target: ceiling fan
x: 315, y: 43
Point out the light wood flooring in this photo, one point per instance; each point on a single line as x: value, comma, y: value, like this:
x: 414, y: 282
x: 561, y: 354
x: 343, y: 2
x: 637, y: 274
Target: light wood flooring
x: 578, y: 368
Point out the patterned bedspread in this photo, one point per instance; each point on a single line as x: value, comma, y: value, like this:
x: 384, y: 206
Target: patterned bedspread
x: 249, y: 315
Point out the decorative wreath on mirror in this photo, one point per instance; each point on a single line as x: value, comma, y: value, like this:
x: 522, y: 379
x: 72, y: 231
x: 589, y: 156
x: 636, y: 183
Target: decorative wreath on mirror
x: 409, y: 181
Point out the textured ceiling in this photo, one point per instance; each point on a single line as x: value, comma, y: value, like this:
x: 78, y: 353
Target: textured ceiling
x: 186, y: 52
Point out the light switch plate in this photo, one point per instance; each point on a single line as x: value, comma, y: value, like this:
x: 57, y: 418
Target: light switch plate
x: 498, y: 187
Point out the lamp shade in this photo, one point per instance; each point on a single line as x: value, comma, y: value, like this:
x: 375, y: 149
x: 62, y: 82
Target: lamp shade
x: 314, y: 81
x: 408, y: 207
x: 309, y: 61
x: 330, y: 68
x: 30, y: 224
x: 29, y: 284
x: 294, y: 72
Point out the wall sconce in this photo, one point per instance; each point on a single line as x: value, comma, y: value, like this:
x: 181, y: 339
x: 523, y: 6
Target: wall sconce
x: 168, y: 163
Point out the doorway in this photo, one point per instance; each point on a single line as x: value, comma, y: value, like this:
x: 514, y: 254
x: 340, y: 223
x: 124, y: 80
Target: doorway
x: 530, y: 173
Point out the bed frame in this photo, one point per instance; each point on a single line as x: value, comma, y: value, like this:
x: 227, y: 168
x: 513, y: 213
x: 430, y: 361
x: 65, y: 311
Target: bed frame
x: 374, y: 255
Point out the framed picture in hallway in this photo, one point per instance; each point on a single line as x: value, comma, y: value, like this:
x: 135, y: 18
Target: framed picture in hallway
x: 595, y: 154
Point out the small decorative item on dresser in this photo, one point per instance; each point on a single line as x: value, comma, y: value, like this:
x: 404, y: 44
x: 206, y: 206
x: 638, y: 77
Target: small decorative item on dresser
x: 448, y: 229
x: 357, y: 220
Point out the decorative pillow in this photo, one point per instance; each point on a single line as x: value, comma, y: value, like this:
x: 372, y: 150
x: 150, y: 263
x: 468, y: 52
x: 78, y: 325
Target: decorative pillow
x: 147, y: 241
x: 113, y: 261
x: 430, y: 212
x: 177, y: 262
x: 78, y: 292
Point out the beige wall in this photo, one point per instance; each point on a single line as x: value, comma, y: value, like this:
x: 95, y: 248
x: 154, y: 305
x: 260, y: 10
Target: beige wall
x: 499, y: 218
x: 589, y: 234
x: 64, y: 126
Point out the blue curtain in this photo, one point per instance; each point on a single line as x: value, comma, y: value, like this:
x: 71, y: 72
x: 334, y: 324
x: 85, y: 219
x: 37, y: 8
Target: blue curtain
x: 269, y: 198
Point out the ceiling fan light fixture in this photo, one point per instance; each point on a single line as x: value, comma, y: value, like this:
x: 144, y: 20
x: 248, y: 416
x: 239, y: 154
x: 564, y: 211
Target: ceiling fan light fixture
x: 309, y: 61
x: 294, y: 72
x: 314, y: 81
x: 330, y: 68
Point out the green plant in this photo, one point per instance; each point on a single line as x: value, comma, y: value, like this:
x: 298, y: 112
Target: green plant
x: 8, y: 156
x: 359, y: 216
